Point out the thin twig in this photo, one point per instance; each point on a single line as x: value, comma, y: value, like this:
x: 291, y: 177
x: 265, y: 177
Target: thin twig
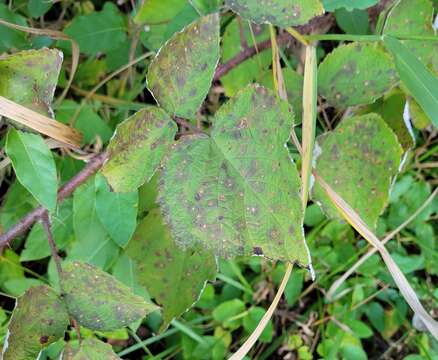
x: 45, y: 220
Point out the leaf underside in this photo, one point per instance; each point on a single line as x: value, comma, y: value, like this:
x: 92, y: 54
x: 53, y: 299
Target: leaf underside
x: 39, y: 319
x: 238, y: 191
x: 174, y: 277
x: 283, y: 13
x: 180, y: 75
x: 355, y: 74
x: 359, y: 160
x: 98, y: 301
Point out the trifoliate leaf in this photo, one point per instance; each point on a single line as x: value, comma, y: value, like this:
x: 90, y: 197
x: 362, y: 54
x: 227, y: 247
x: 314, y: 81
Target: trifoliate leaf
x: 39, y: 319
x: 283, y: 13
x: 174, y: 277
x: 359, y: 160
x: 34, y: 166
x: 98, y: 301
x: 89, y: 349
x: 238, y: 191
x: 355, y: 74
x: 29, y: 78
x: 137, y: 148
x: 180, y: 75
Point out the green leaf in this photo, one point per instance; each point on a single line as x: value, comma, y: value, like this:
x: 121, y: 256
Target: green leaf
x: 99, y: 31
x: 38, y: 8
x: 330, y: 5
x: 37, y: 247
x: 174, y: 277
x: 89, y: 349
x: 137, y: 148
x: 294, y: 287
x: 251, y: 321
x: 39, y: 319
x: 294, y: 89
x: 420, y: 82
x: 227, y: 310
x: 218, y: 191
x: 97, y: 300
x: 408, y: 17
x: 30, y: 77
x: 116, y: 211
x: 9, y: 38
x: 87, y: 121
x: 205, y: 7
x: 249, y: 70
x: 355, y: 74
x: 359, y: 160
x: 283, y: 13
x: 352, y: 22
x: 10, y: 267
x: 34, y: 166
x: 180, y: 75
x: 93, y: 244
x: 18, y: 286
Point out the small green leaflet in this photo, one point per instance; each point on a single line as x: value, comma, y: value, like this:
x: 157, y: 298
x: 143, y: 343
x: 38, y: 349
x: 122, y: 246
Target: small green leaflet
x: 39, y: 319
x: 181, y: 73
x: 29, y: 78
x: 98, y: 301
x: 174, y: 277
x: 355, y: 74
x: 89, y: 349
x: 283, y: 13
x: 238, y: 191
x: 34, y: 166
x: 420, y: 82
x: 330, y: 5
x: 137, y: 148
x: 359, y: 160
x: 116, y: 211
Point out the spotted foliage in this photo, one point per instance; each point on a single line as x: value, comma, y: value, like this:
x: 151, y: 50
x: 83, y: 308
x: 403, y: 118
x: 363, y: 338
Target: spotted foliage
x: 89, y: 349
x: 282, y: 13
x: 174, y: 277
x: 98, y: 301
x: 137, y: 148
x: 359, y: 160
x: 355, y: 74
x: 39, y: 319
x: 181, y: 73
x: 238, y: 191
x: 30, y: 77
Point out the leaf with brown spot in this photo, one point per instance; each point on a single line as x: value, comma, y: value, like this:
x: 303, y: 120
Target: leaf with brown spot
x: 181, y: 73
x: 39, y: 319
x: 359, y: 160
x: 174, y: 277
x: 98, y: 301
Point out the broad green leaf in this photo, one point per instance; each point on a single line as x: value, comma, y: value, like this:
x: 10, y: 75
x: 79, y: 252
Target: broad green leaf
x: 420, y: 82
x: 174, y: 277
x: 137, y: 148
x: 251, y: 321
x: 87, y: 121
x: 249, y: 70
x: 359, y: 160
x: 116, y: 211
x: 330, y: 5
x: 9, y: 38
x: 38, y: 8
x: 100, y: 31
x: 89, y: 349
x: 294, y: 89
x: 30, y: 77
x: 97, y: 300
x: 352, y: 22
x: 180, y: 75
x: 413, y: 18
x: 34, y: 166
x: 39, y: 319
x: 18, y: 286
x: 238, y: 191
x: 419, y: 119
x: 206, y: 6
x: 162, y: 18
x: 36, y: 245
x: 93, y: 244
x: 355, y: 74
x: 283, y: 13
